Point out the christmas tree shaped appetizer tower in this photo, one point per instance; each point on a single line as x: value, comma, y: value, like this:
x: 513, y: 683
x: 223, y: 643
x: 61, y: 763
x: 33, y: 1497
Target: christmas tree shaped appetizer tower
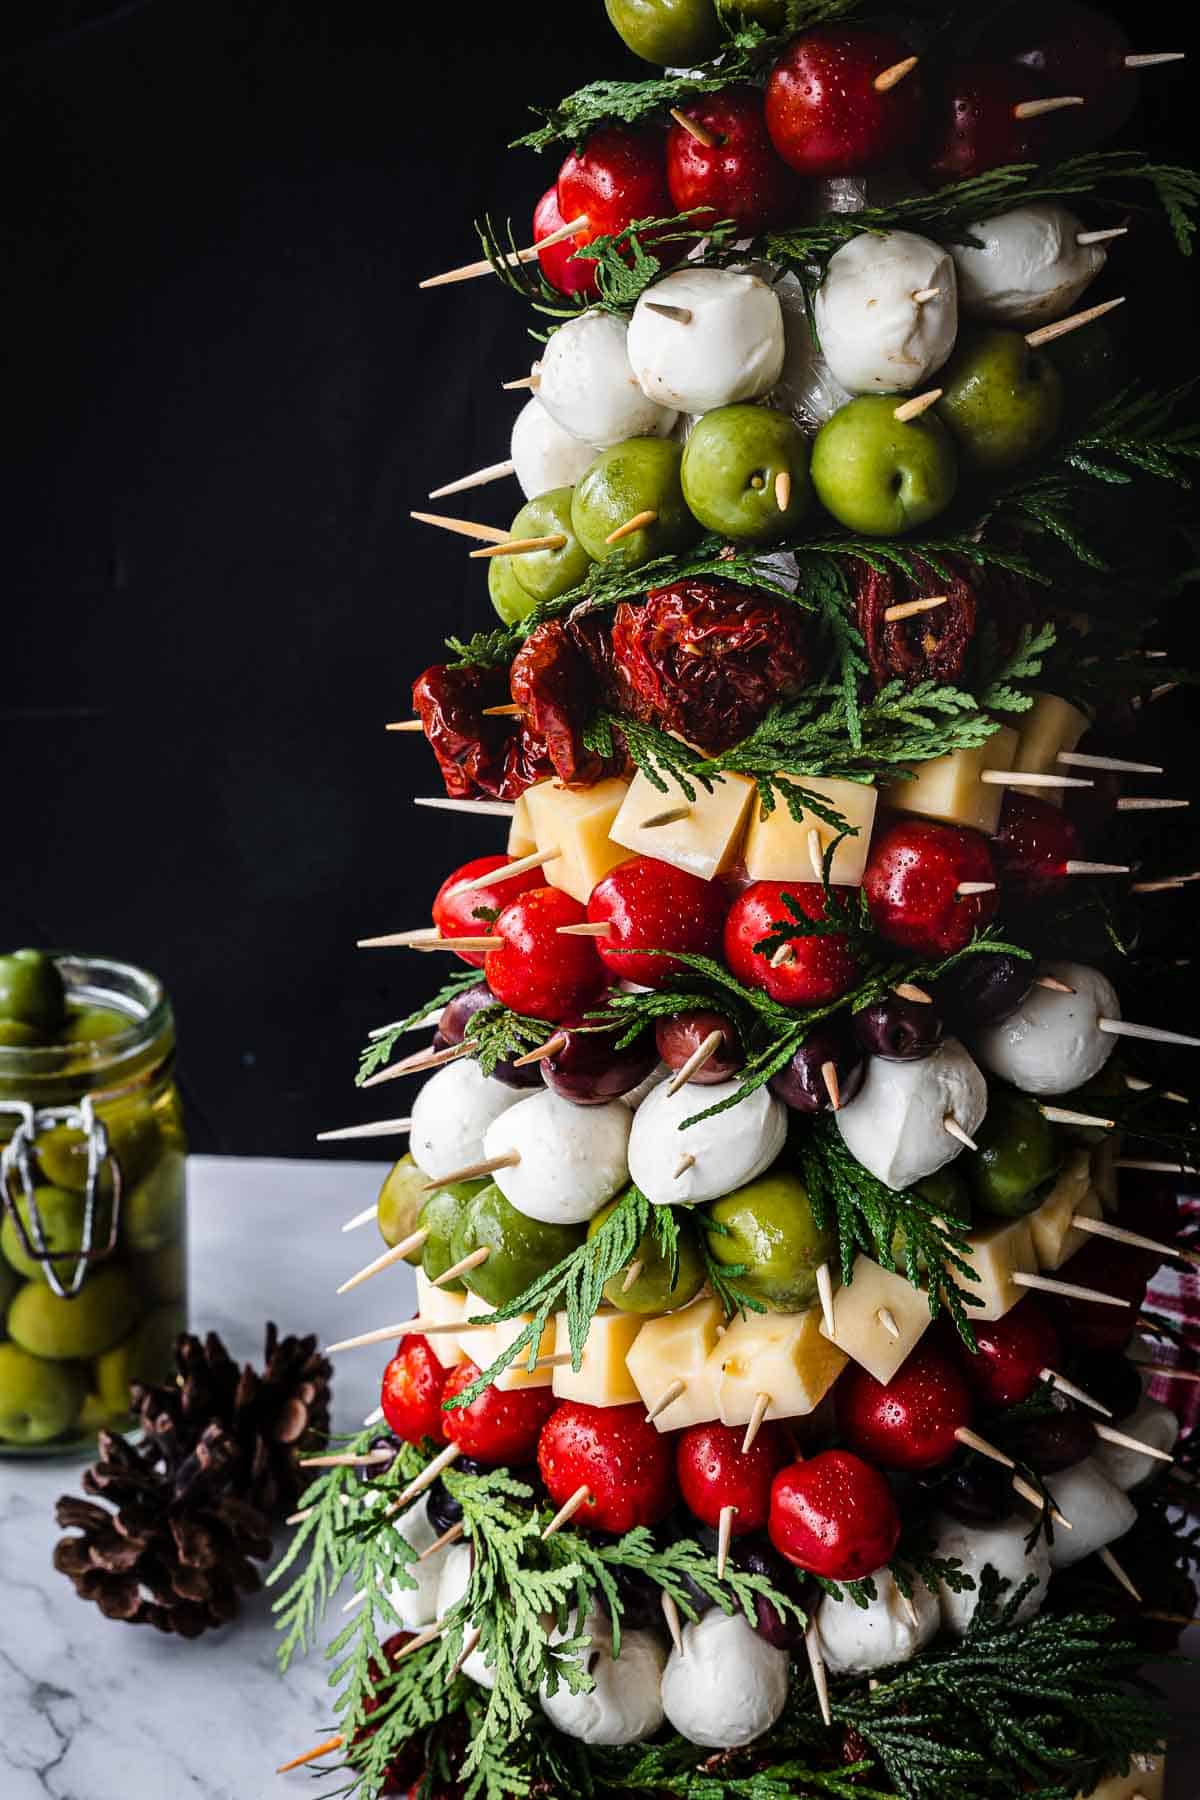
x: 785, y: 1176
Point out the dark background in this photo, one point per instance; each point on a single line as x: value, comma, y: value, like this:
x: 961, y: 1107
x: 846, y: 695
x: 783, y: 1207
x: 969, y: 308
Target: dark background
x: 224, y: 394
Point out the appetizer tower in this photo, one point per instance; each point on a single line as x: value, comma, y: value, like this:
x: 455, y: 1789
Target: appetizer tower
x: 786, y: 1176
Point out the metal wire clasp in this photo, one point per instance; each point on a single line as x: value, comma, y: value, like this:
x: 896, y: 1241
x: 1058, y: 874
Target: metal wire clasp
x: 16, y: 1159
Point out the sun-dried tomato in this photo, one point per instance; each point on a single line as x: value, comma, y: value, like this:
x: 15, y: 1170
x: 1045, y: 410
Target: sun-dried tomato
x: 707, y: 659
x: 553, y: 684
x: 476, y: 754
x: 926, y: 646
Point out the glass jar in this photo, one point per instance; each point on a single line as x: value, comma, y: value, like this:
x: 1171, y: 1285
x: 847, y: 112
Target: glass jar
x: 93, y: 1266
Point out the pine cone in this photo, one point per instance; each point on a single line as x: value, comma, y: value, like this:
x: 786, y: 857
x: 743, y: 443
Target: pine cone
x: 194, y: 1503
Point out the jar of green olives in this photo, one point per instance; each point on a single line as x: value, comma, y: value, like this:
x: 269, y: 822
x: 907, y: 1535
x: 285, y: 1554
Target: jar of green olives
x: 92, y: 1196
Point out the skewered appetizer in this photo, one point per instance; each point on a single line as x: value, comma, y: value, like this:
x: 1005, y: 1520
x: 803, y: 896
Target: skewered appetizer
x: 777, y: 1179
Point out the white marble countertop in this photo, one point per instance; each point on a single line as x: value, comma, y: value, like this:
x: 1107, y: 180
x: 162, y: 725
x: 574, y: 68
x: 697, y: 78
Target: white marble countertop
x: 91, y: 1710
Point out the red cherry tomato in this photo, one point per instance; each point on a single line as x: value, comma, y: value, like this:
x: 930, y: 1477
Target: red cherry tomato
x: 652, y: 906
x: 499, y: 1427
x: 824, y: 112
x: 714, y: 1472
x: 740, y: 177
x: 1012, y: 1353
x: 626, y: 1465
x: 618, y: 176
x: 471, y: 914
x: 539, y: 972
x: 911, y: 1423
x: 820, y: 969
x: 411, y: 1396
x: 974, y: 125
x: 834, y: 1516
x: 558, y: 264
x: 1033, y: 846
x: 912, y: 879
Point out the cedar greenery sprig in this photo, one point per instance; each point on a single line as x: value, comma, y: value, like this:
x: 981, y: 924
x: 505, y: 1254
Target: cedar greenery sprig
x: 747, y: 49
x: 949, y: 213
x: 866, y: 1216
x: 378, y: 1052
x: 627, y: 262
x: 574, y: 1286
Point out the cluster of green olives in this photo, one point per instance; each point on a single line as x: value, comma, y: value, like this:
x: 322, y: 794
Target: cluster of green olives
x: 764, y: 1231
x: 66, y: 1364
x: 674, y: 33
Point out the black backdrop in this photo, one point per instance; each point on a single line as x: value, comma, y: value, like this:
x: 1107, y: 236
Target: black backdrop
x: 224, y: 395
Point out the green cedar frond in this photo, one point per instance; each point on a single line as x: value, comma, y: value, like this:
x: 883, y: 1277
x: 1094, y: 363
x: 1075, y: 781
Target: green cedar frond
x: 378, y: 1053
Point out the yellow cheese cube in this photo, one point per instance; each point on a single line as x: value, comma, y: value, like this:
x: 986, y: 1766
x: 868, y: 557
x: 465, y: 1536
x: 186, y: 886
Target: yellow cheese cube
x: 521, y: 841
x: 576, y: 822
x: 603, y: 1379
x: 705, y: 841
x: 1049, y: 726
x: 778, y: 847
x: 949, y: 788
x: 441, y: 1308
x: 997, y: 1254
x: 677, y: 1348
x: 860, y: 1309
x: 783, y: 1355
x: 1104, y: 1171
x: 1143, y: 1782
x: 1054, y: 1237
x: 484, y: 1343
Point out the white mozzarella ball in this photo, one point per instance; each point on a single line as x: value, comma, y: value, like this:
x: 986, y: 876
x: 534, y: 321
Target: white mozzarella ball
x: 634, y: 1098
x: 730, y: 348
x: 728, y: 1687
x: 573, y: 1159
x: 999, y: 1547
x: 1053, y: 1043
x: 544, y: 456
x: 453, y: 1584
x: 1151, y: 1424
x: 895, y: 1124
x: 418, y: 1606
x: 1099, y: 1512
x: 624, y: 1703
x: 588, y: 387
x: 875, y: 336
x: 1029, y: 268
x: 451, y: 1114
x: 856, y: 1640
x: 730, y: 1149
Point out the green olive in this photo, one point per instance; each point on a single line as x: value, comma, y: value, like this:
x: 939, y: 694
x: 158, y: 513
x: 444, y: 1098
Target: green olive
x: 91, y: 1024
x: 38, y: 1400
x: 669, y: 33
x: 520, y: 1249
x: 134, y: 1138
x: 548, y: 574
x: 652, y: 1290
x: 768, y: 1229
x: 8, y: 1287
x: 146, y: 1355
x: 19, y: 1036
x: 400, y: 1201
x: 62, y: 1219
x: 640, y: 476
x: 440, y: 1216
x: 506, y: 593
x: 153, y: 1211
x: 31, y: 991
x: 101, y: 1314
x: 1018, y: 1153
x: 732, y: 467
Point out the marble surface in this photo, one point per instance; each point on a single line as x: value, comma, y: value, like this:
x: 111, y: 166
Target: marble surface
x: 95, y: 1711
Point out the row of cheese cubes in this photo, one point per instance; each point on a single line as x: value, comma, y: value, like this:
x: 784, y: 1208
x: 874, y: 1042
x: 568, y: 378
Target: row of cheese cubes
x: 720, y: 1369
x: 592, y: 830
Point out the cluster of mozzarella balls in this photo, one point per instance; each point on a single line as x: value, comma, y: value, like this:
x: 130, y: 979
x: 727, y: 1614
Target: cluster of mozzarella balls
x: 886, y: 315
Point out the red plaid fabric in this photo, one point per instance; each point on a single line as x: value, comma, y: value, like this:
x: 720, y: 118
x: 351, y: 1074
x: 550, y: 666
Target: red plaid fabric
x: 1174, y: 1293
